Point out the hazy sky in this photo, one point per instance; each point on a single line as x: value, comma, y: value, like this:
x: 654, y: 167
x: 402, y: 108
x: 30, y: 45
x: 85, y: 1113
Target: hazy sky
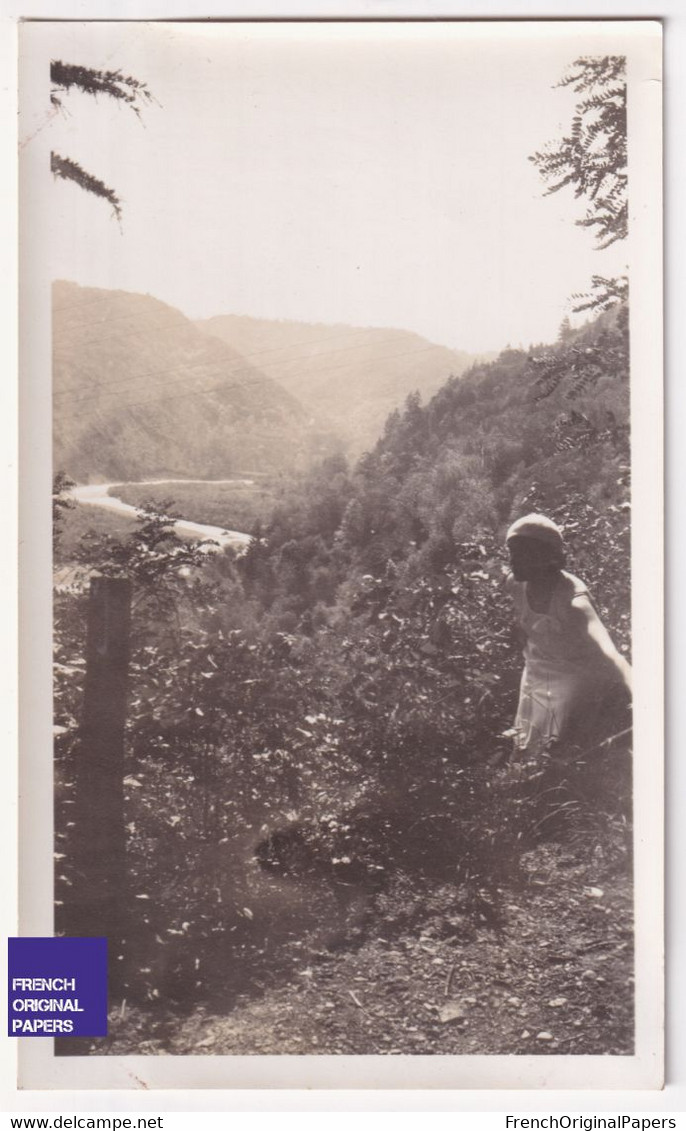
x: 370, y: 174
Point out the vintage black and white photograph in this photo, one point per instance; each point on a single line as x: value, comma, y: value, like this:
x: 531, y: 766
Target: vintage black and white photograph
x: 340, y: 381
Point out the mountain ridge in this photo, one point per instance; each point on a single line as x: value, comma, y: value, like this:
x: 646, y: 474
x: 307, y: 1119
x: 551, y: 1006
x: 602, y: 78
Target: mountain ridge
x: 352, y: 376
x: 138, y: 390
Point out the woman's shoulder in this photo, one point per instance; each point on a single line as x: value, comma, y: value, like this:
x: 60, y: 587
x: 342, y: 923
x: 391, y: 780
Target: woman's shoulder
x: 569, y: 587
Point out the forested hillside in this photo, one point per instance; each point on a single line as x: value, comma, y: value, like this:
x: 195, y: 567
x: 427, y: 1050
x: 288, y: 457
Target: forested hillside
x: 352, y: 376
x: 547, y: 429
x: 317, y: 756
x: 139, y: 391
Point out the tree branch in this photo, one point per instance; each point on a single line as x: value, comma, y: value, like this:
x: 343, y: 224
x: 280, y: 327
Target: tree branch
x: 70, y: 170
x: 121, y: 87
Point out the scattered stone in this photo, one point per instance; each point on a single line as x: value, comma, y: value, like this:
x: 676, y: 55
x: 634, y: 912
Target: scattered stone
x: 453, y: 1011
x: 556, y: 1002
x: 545, y: 1036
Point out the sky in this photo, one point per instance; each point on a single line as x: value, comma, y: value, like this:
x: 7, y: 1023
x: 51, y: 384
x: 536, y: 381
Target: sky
x: 371, y: 174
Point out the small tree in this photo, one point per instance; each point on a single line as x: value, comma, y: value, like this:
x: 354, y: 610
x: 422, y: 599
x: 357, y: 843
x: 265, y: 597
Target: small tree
x: 61, y: 502
x: 566, y: 331
x: 153, y: 556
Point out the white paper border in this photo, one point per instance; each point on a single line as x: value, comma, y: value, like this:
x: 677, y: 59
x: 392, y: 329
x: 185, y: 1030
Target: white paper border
x: 156, y: 10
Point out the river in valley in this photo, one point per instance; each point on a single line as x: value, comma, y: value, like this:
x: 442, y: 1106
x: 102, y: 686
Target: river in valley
x: 97, y: 494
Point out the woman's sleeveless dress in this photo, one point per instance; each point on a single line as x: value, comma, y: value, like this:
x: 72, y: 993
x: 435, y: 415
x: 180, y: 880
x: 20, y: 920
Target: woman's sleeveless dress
x: 562, y: 685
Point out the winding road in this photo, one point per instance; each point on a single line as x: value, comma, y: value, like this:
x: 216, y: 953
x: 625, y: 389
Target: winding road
x: 96, y: 494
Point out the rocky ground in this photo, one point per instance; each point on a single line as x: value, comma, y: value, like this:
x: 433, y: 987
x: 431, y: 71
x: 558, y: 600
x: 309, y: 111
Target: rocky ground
x: 547, y: 970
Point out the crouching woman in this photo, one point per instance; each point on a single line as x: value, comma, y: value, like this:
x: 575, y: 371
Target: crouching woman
x: 575, y: 686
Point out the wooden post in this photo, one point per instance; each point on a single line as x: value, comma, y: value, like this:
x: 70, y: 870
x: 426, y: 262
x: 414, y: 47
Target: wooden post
x: 99, y: 840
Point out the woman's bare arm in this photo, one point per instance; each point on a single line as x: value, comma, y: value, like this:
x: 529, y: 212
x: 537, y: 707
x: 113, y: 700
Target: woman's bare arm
x: 586, y: 619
